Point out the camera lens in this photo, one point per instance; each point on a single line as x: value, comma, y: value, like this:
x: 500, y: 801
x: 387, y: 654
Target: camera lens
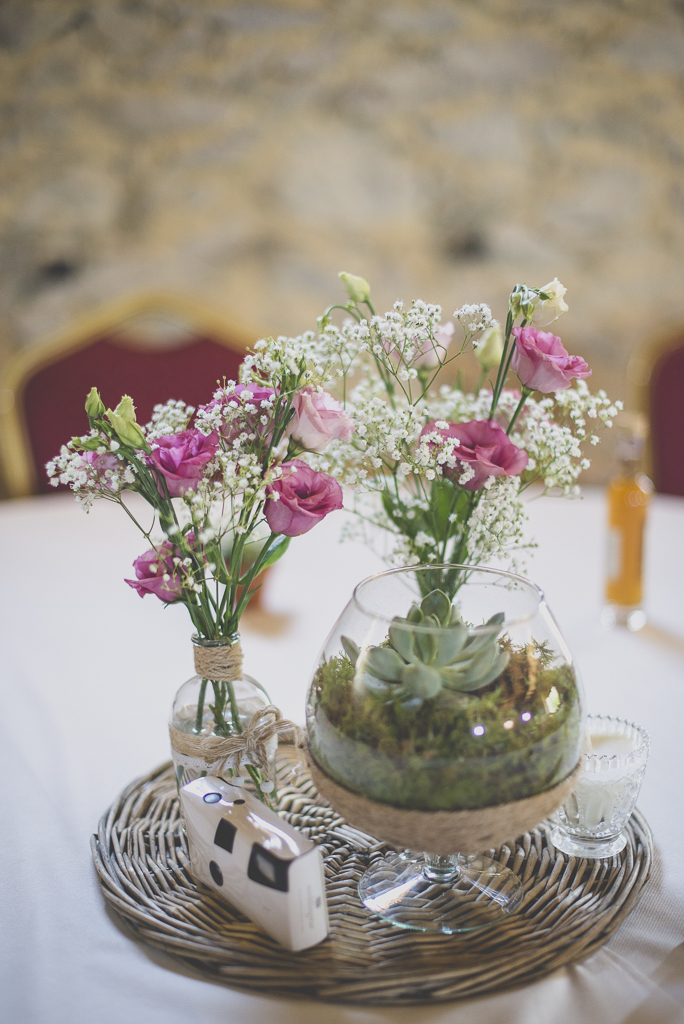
x: 212, y: 798
x: 216, y: 872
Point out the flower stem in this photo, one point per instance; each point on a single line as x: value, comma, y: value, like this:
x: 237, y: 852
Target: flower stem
x: 200, y: 706
x: 526, y: 392
x: 256, y: 779
x: 234, y: 713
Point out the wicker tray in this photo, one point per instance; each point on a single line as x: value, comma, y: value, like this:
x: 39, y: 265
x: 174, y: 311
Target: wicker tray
x: 571, y: 907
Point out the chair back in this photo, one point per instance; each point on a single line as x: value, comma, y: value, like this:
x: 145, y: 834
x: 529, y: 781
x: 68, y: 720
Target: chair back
x: 154, y: 350
x: 667, y: 421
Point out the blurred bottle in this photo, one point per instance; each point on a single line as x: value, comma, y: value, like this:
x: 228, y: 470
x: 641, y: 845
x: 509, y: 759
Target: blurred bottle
x: 629, y: 493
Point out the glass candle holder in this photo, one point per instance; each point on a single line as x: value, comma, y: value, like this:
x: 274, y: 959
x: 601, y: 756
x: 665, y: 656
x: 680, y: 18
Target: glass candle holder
x: 591, y: 822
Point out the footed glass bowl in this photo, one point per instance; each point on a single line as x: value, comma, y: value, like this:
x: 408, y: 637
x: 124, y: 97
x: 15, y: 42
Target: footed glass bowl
x: 445, y: 690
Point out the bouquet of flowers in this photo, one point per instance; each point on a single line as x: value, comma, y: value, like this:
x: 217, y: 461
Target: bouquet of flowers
x: 441, y: 471
x: 445, y: 686
x: 229, y: 486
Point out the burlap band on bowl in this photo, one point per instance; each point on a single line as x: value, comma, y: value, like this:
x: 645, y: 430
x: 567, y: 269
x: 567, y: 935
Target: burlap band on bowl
x: 443, y: 832
x: 222, y: 664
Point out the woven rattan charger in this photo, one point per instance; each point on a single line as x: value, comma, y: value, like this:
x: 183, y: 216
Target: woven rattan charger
x: 571, y: 907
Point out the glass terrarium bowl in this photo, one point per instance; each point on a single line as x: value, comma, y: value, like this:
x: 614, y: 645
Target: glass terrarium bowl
x: 444, y: 715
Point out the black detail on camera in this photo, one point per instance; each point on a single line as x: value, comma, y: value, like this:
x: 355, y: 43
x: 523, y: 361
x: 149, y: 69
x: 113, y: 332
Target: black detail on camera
x: 225, y: 835
x: 267, y: 869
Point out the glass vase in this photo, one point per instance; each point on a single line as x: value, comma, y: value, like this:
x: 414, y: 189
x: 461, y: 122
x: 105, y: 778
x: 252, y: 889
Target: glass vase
x: 216, y: 703
x: 444, y: 715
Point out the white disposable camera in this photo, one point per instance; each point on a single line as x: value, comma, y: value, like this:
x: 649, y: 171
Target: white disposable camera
x: 256, y: 861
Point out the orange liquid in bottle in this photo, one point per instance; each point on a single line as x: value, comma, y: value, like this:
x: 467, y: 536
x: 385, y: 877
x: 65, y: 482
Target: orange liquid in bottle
x: 628, y: 498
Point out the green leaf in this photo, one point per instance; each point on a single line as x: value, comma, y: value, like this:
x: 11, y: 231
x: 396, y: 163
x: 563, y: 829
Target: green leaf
x: 494, y: 672
x: 90, y: 445
x: 453, y: 677
x: 391, y: 509
x: 426, y: 645
x: 213, y: 553
x: 431, y: 621
x: 401, y: 637
x: 421, y: 681
x: 483, y: 661
x: 415, y: 615
x: 476, y: 643
x: 450, y: 642
x: 454, y: 618
x: 438, y: 604
x: 351, y: 649
x: 442, y: 499
x: 385, y: 664
x: 275, y: 551
x: 496, y: 620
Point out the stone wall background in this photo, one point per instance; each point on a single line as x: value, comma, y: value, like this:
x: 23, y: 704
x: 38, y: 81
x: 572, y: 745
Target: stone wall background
x: 243, y: 153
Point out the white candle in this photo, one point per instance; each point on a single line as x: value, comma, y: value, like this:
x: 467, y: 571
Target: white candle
x: 604, y: 789
x: 610, y: 744
x: 591, y: 821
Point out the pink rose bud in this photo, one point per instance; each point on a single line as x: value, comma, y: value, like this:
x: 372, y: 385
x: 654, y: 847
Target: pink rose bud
x: 318, y: 419
x: 152, y: 567
x: 542, y: 363
x: 180, y: 459
x: 300, y: 498
x: 483, y: 445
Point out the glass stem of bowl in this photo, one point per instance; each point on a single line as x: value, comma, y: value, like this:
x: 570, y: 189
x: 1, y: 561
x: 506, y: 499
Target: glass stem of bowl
x: 440, y: 868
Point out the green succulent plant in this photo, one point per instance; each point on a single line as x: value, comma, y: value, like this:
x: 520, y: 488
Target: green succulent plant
x: 431, y: 649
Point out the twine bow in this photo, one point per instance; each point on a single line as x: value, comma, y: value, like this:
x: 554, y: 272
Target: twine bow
x: 250, y: 746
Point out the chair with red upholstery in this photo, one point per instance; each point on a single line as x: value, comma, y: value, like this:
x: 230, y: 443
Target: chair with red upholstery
x: 667, y: 420
x: 153, y: 348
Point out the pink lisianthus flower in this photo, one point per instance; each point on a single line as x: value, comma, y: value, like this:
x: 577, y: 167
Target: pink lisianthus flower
x: 104, y: 465
x: 318, y: 419
x: 542, y: 363
x: 156, y: 574
x: 103, y: 462
x: 244, y: 407
x: 180, y: 459
x: 300, y: 499
x: 482, y: 445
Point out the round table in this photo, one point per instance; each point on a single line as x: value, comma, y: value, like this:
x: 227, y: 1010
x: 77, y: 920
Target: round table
x: 89, y: 671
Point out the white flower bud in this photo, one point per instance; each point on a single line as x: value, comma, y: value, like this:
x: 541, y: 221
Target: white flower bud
x: 548, y: 310
x: 490, y: 348
x: 357, y: 288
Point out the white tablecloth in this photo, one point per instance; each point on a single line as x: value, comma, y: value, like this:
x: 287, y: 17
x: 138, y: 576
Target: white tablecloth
x: 88, y: 673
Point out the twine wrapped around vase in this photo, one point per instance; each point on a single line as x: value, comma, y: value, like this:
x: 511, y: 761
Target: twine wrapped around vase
x: 442, y: 832
x: 222, y: 663
x: 248, y: 747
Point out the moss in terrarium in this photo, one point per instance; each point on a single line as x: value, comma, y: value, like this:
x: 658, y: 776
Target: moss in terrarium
x: 517, y: 737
